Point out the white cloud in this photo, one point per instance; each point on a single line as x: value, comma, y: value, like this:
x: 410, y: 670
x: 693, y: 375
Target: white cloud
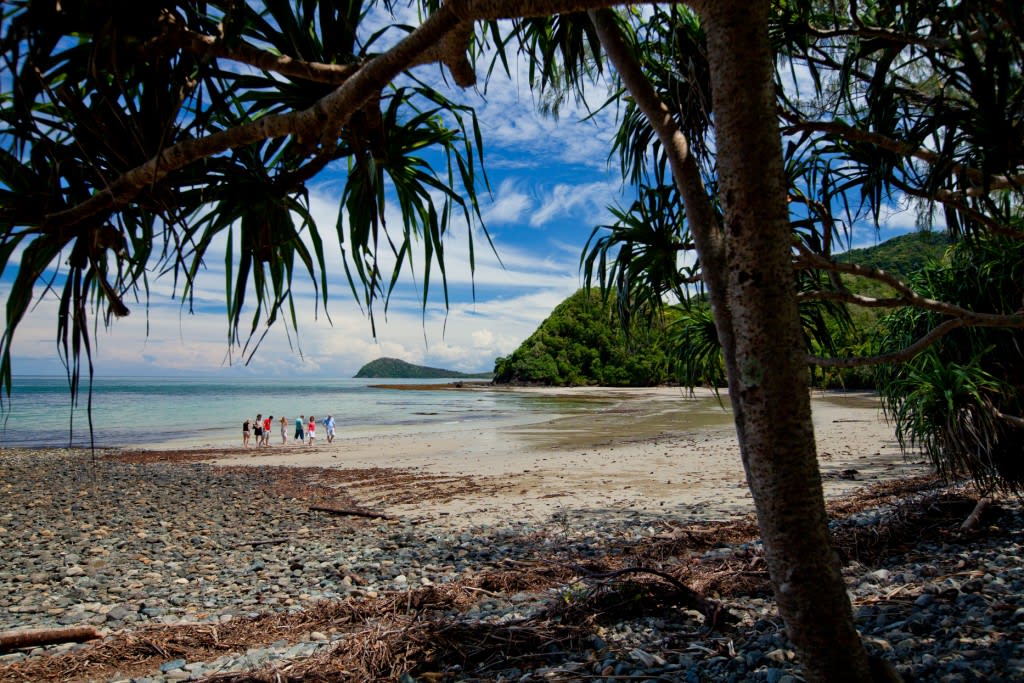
x: 509, y: 204
x: 166, y: 339
x: 483, y: 338
x: 589, y: 201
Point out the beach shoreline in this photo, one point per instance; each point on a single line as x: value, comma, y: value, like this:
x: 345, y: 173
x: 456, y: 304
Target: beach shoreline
x: 663, y: 452
x: 261, y: 559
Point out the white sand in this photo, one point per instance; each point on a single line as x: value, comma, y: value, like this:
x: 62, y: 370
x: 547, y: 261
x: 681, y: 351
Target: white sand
x: 633, y: 455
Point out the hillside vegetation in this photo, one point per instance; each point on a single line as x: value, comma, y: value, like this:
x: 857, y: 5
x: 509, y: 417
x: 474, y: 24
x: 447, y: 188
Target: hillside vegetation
x: 392, y: 368
x: 582, y: 342
x: 901, y: 255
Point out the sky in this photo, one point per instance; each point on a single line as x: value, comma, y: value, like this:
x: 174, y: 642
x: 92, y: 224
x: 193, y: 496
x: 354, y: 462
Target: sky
x: 551, y: 182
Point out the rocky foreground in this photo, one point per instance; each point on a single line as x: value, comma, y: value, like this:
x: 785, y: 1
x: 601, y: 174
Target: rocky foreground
x: 191, y: 572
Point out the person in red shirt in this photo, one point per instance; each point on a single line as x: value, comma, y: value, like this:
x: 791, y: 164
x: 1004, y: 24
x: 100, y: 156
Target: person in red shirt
x: 311, y: 430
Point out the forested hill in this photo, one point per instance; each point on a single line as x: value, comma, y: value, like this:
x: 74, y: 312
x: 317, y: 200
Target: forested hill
x: 902, y: 255
x: 581, y: 342
x: 394, y: 368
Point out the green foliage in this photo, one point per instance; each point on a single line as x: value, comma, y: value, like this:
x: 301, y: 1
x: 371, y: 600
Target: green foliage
x: 693, y: 344
x: 399, y: 369
x: 902, y: 255
x: 582, y: 343
x: 953, y: 400
x: 97, y: 90
x: 637, y: 257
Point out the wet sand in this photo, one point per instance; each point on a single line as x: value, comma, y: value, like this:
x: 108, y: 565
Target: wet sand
x: 655, y: 452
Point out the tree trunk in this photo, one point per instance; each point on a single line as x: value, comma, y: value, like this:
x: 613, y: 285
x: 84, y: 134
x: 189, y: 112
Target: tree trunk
x: 767, y: 368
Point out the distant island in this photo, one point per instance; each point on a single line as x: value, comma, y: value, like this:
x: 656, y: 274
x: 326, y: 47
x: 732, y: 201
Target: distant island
x: 393, y: 368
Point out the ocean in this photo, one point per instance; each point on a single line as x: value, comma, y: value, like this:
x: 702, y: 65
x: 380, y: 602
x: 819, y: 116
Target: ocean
x: 194, y: 411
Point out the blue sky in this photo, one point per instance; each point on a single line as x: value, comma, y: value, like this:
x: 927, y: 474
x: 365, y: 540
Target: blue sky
x: 551, y: 184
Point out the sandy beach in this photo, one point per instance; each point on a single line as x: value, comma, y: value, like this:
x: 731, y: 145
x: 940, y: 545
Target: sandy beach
x: 658, y: 452
x: 494, y: 543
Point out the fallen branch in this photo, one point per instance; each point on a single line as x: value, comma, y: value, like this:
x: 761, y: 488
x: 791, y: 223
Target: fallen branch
x: 973, y: 520
x: 715, y: 615
x: 353, y: 512
x: 36, y: 637
x: 268, y: 541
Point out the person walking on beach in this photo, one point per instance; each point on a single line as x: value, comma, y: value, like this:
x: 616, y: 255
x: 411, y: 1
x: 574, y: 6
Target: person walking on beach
x: 299, y: 435
x: 245, y: 433
x: 311, y: 430
x: 329, y: 427
x: 258, y: 430
x: 268, y: 424
x: 284, y: 430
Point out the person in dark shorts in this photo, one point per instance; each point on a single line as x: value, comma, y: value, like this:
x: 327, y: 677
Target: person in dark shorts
x: 258, y: 429
x: 300, y: 435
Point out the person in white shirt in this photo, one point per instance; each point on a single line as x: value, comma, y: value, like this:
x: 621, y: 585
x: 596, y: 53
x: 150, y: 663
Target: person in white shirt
x: 329, y: 426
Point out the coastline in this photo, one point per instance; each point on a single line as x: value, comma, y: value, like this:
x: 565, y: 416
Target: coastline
x: 660, y: 452
x: 188, y: 571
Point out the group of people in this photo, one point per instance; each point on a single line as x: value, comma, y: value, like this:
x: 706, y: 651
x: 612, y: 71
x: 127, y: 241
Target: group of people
x: 305, y: 431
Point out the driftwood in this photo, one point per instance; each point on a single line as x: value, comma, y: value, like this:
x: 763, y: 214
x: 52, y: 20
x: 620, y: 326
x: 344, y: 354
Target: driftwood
x: 352, y: 512
x: 36, y: 637
x: 974, y: 519
x: 715, y: 614
x: 268, y: 541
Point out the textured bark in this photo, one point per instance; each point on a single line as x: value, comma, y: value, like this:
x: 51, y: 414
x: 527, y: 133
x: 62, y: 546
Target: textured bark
x: 768, y: 385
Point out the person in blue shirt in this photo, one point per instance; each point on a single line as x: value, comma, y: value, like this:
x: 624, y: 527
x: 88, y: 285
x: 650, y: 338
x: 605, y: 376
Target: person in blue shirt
x: 329, y: 426
x: 300, y: 436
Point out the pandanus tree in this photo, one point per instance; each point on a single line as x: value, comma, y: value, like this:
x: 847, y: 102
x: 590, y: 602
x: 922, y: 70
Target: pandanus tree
x: 960, y: 399
x: 880, y: 106
x: 882, y: 110
x: 137, y: 135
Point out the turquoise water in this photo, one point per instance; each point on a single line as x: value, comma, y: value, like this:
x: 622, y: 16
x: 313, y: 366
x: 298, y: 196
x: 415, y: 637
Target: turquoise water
x: 197, y: 411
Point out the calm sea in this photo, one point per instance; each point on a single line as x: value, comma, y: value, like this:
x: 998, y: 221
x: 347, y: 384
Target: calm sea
x: 198, y: 411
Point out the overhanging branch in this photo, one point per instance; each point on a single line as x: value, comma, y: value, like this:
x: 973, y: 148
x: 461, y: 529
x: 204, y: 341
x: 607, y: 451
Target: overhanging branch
x: 908, y: 297
x: 900, y: 356
x: 202, y: 45
x: 982, y: 186
x: 849, y: 297
x: 323, y: 120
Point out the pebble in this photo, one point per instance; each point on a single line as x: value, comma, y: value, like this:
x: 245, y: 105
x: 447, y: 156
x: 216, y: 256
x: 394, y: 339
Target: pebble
x: 119, y: 545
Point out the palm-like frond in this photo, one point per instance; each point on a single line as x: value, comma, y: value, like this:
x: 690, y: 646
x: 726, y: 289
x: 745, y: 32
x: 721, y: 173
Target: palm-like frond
x: 98, y: 94
x: 952, y: 402
x: 694, y: 348
x: 639, y: 258
x: 942, y: 408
